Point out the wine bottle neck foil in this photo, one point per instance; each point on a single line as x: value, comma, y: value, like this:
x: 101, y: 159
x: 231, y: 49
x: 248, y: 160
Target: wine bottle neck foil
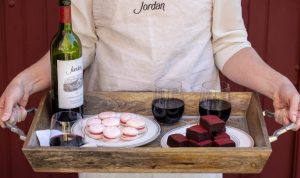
x: 65, y: 14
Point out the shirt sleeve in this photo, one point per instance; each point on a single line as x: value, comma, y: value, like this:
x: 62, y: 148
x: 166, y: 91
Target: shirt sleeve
x: 83, y: 25
x: 229, y: 34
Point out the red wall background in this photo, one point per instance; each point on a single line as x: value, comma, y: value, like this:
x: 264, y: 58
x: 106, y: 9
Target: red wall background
x: 26, y: 28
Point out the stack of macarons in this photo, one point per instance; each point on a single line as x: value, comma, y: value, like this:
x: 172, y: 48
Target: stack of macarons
x: 133, y: 121
x: 112, y: 126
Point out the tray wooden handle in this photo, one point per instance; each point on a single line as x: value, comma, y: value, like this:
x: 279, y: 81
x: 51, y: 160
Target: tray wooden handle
x: 15, y: 129
x: 280, y: 131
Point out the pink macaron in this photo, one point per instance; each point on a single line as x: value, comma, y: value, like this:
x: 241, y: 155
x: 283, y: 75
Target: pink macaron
x: 111, y: 122
x: 108, y: 114
x: 92, y: 121
x: 126, y: 117
x: 95, y: 131
x: 129, y: 133
x: 111, y: 134
x: 137, y: 123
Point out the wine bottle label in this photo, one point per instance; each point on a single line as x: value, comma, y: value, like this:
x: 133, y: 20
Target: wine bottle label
x: 70, y: 83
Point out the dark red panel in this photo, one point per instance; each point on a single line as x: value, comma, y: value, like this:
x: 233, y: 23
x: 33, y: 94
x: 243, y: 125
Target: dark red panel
x: 35, y: 30
x: 283, y: 37
x: 246, y: 15
x: 52, y: 19
x: 14, y: 37
x: 296, y: 173
x: 3, y: 63
x: 4, y: 134
x: 258, y: 25
x: 297, y: 138
x: 283, y: 55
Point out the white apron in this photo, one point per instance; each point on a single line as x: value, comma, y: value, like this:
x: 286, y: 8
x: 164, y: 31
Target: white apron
x: 143, y: 41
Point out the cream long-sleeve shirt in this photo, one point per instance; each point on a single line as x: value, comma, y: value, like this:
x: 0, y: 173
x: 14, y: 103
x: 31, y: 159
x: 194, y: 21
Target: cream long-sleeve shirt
x: 129, y: 44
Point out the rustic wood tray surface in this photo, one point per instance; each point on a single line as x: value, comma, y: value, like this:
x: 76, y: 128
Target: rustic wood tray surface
x: 246, y: 115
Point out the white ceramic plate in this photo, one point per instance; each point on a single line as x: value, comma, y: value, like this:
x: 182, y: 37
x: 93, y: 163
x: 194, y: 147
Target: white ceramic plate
x: 241, y: 138
x: 151, y: 133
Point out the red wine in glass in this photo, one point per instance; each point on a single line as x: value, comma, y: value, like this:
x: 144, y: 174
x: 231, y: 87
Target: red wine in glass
x: 167, y: 110
x: 67, y: 140
x: 66, y: 129
x: 220, y: 108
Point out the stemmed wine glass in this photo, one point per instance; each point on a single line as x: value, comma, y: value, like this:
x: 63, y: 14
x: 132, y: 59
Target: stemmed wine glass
x: 168, y: 104
x: 66, y: 129
x: 216, y: 99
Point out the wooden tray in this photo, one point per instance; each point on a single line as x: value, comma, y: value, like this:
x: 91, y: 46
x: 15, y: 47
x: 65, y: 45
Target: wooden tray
x: 246, y: 115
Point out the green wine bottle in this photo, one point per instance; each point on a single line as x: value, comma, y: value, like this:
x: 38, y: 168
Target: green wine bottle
x: 66, y: 64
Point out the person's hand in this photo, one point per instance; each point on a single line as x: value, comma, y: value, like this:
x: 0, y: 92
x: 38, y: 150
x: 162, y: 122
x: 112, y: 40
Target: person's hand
x: 13, y: 102
x: 15, y: 97
x: 286, y: 103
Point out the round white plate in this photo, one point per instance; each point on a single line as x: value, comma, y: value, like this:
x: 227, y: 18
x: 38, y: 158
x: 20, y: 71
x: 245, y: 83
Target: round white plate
x: 241, y: 138
x: 151, y: 133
